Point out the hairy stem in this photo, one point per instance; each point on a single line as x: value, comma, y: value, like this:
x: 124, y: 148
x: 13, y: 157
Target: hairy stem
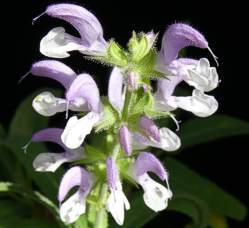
x: 101, y: 214
x: 128, y: 97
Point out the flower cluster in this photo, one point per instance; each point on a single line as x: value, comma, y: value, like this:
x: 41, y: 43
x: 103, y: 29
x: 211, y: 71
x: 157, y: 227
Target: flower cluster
x: 126, y: 115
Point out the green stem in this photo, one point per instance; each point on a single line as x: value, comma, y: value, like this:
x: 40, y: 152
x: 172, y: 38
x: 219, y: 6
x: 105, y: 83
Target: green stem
x: 128, y: 96
x: 101, y: 214
x: 116, y: 150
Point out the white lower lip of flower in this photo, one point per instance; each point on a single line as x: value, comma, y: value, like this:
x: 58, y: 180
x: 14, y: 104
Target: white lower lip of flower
x: 169, y: 141
x: 204, y: 77
x: 57, y: 43
x: 46, y: 104
x: 48, y: 162
x: 116, y: 204
x: 200, y: 104
x: 155, y: 195
x: 73, y: 208
x: 77, y: 129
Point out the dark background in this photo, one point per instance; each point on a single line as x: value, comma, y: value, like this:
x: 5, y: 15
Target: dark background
x: 225, y: 161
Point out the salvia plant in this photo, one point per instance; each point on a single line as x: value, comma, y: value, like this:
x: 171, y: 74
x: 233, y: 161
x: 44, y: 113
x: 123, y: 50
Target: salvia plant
x: 125, y: 120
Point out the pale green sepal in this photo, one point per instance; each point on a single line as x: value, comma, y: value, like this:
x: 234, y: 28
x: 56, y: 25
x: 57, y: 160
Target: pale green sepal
x: 116, y: 55
x: 146, y: 67
x: 110, y: 116
x: 138, y: 46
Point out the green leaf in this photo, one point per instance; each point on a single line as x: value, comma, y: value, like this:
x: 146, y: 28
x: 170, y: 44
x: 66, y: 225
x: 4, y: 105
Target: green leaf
x: 138, y: 215
x: 2, y: 132
x: 9, y: 207
x: 20, y: 222
x: 7, y: 163
x: 192, y: 206
x: 185, y: 180
x: 25, y: 122
x: 198, y: 131
x: 7, y: 187
x: 217, y: 221
x: 181, y: 202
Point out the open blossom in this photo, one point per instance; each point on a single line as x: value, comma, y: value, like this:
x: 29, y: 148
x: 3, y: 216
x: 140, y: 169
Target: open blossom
x: 155, y: 195
x: 57, y: 43
x: 82, y: 94
x: 51, y: 161
x: 75, y: 205
x: 198, y: 74
x: 117, y: 201
x: 127, y: 115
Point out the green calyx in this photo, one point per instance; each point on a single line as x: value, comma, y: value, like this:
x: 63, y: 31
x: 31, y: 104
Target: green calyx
x: 139, y: 46
x: 137, y: 103
x: 140, y: 57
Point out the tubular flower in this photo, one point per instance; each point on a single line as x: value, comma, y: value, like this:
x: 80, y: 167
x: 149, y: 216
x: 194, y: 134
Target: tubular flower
x: 155, y: 195
x: 126, y: 117
x: 198, y: 74
x: 51, y: 161
x: 75, y: 205
x: 117, y: 201
x: 57, y: 43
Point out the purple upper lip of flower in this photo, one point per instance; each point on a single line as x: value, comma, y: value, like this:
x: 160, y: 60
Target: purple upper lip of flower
x: 147, y: 162
x: 81, y: 86
x: 85, y: 22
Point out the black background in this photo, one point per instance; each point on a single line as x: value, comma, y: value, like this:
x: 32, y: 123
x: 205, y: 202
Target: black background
x: 224, y: 26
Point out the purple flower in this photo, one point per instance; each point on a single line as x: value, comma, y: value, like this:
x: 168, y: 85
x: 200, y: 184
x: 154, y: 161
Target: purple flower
x: 115, y: 89
x: 117, y: 201
x: 82, y: 94
x: 150, y: 128
x: 155, y: 195
x: 169, y: 141
x: 125, y: 140
x: 75, y: 205
x: 57, y: 43
x: 49, y: 162
x: 198, y: 74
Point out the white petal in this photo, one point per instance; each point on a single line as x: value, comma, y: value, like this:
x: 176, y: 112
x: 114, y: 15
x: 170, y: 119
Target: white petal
x: 199, y: 103
x: 79, y: 105
x: 115, y: 89
x: 155, y: 195
x: 204, y: 77
x: 73, y: 207
x: 77, y: 129
x: 47, y: 104
x: 57, y: 43
x: 139, y: 141
x: 169, y: 141
x: 48, y: 162
x: 116, y: 204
